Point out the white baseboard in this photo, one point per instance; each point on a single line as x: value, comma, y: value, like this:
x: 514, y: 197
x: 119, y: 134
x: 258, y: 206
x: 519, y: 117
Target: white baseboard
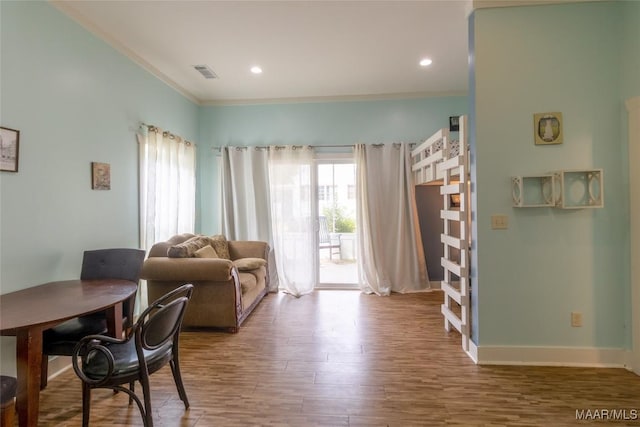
x: 58, y: 364
x: 554, y: 356
x: 472, y: 352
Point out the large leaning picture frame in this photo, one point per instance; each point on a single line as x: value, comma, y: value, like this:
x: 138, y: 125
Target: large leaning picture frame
x: 9, y: 149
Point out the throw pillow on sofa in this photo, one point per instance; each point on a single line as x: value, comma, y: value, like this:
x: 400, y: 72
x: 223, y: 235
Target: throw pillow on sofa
x: 206, y: 252
x: 220, y: 244
x: 248, y: 264
x: 189, y: 247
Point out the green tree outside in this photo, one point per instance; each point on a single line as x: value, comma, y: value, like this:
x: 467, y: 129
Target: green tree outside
x: 337, y: 221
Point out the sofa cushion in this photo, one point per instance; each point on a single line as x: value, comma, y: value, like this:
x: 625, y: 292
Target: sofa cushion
x: 161, y: 249
x: 189, y: 247
x: 220, y: 244
x: 206, y: 252
x: 248, y: 264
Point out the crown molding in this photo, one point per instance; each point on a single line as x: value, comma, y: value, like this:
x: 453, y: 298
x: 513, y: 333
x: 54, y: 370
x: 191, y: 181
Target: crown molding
x: 323, y: 99
x: 485, y: 4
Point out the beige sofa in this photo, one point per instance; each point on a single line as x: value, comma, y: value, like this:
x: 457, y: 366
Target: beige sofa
x: 225, y: 290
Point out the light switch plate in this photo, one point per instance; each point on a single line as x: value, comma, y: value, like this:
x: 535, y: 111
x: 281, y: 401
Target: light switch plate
x: 499, y: 222
x: 576, y: 319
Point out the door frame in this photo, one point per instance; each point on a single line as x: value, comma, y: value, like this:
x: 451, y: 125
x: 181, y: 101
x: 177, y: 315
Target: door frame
x: 633, y: 108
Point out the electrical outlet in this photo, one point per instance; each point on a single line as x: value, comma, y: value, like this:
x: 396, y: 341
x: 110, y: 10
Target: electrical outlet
x: 499, y: 222
x: 576, y: 319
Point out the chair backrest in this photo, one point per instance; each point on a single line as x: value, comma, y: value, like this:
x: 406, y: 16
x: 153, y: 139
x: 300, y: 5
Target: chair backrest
x: 161, y: 321
x: 158, y: 325
x: 323, y: 236
x: 119, y: 263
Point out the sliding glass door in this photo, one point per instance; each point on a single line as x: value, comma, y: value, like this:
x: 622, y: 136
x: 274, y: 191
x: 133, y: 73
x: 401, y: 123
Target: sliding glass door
x: 336, y: 202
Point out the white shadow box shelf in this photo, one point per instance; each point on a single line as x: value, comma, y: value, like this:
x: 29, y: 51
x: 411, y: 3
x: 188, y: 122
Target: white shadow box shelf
x: 564, y: 189
x: 533, y: 191
x: 580, y: 189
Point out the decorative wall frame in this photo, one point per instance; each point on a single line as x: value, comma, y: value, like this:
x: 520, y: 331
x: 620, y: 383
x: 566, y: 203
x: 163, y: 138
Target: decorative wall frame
x: 548, y: 128
x: 9, y: 149
x: 100, y: 176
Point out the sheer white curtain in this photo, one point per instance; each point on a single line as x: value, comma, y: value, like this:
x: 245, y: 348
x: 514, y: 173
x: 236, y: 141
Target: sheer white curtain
x: 167, y: 166
x: 246, y: 208
x: 292, y: 219
x: 390, y: 254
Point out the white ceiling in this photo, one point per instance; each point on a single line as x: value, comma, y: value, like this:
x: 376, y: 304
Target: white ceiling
x: 307, y: 49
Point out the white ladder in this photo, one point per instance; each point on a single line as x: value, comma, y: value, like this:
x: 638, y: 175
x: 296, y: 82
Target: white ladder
x: 454, y: 172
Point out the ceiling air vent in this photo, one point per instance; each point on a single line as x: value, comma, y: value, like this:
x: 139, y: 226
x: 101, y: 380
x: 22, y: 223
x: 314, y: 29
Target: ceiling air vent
x: 206, y: 71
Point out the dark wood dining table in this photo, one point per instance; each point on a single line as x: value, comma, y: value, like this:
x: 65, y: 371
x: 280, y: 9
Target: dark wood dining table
x: 26, y: 313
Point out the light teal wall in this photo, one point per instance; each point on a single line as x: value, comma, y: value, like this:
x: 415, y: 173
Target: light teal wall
x: 75, y: 100
x: 630, y: 49
x: 550, y: 262
x: 323, y: 123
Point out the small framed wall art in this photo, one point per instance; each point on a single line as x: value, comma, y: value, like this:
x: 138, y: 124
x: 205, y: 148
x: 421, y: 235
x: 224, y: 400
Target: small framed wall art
x: 454, y: 123
x: 9, y: 148
x: 547, y: 128
x: 100, y: 176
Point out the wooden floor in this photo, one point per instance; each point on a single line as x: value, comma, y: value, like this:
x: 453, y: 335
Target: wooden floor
x: 341, y: 358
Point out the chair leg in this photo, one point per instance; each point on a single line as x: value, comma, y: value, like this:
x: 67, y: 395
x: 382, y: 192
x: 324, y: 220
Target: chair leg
x: 132, y: 387
x: 8, y: 414
x: 175, y: 369
x: 44, y: 372
x: 86, y: 404
x: 146, y: 391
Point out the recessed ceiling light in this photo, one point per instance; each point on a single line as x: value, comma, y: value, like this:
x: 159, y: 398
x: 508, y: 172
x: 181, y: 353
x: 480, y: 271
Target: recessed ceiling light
x: 256, y: 70
x: 425, y: 62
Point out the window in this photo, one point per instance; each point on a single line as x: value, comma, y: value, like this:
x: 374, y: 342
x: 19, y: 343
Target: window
x: 351, y: 192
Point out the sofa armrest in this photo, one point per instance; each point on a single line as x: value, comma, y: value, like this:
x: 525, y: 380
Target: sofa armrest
x: 248, y: 249
x: 187, y: 269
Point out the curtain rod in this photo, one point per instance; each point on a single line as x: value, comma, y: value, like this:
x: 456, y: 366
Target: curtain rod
x: 167, y: 133
x: 266, y: 147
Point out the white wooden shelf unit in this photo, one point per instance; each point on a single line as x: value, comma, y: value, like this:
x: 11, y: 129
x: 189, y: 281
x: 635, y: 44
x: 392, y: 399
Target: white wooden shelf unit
x: 563, y: 189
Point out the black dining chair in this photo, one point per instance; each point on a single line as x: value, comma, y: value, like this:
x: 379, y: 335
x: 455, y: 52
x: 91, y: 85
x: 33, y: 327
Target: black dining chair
x: 118, y: 263
x: 106, y: 362
x: 8, y: 388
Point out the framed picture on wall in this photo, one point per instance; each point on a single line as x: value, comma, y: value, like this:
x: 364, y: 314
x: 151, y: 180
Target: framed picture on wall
x: 454, y: 123
x: 100, y: 176
x: 547, y: 128
x: 9, y: 149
